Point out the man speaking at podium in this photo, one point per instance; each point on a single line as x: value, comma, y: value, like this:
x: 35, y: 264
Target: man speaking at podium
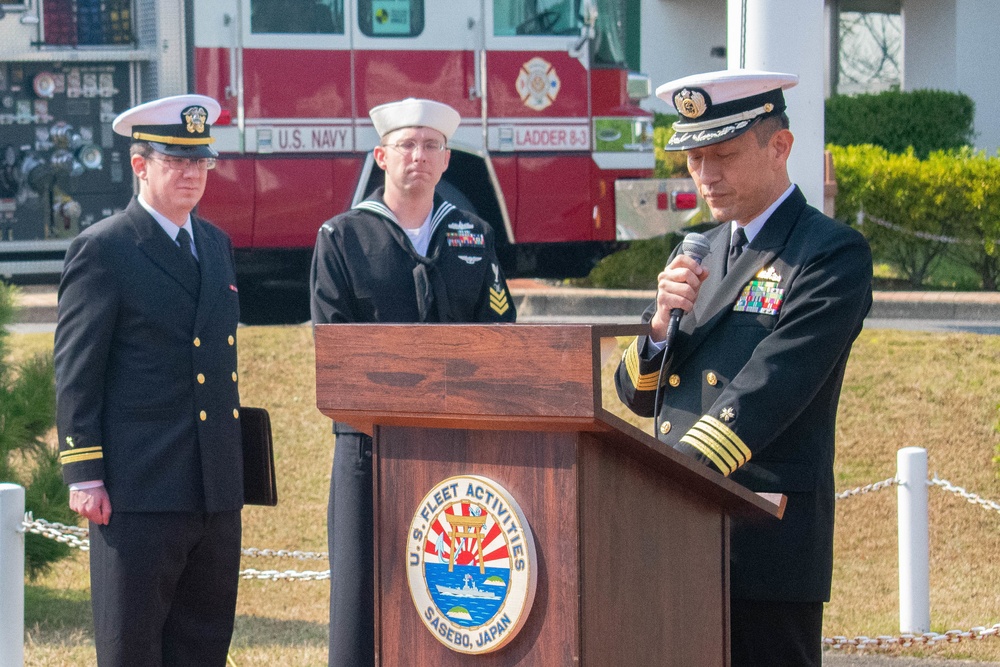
x: 402, y: 255
x: 751, y: 381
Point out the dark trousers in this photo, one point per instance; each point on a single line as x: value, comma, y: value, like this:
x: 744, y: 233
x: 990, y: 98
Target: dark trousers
x: 350, y: 534
x: 163, y: 588
x: 776, y: 634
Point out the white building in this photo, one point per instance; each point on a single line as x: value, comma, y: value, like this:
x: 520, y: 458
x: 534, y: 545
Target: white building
x: 947, y: 44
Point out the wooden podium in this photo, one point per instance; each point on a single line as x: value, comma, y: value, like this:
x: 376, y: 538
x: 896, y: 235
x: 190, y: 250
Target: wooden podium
x: 631, y: 537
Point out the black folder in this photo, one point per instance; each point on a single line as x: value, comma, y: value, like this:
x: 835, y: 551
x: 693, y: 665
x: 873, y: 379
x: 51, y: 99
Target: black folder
x: 259, y: 485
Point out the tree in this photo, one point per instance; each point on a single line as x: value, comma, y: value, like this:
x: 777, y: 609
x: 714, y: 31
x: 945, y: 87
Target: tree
x: 871, y: 46
x: 27, y: 414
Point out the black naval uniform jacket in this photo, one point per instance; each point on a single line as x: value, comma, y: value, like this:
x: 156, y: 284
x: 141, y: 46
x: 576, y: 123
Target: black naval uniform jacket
x: 753, y: 383
x: 365, y: 269
x: 146, y: 372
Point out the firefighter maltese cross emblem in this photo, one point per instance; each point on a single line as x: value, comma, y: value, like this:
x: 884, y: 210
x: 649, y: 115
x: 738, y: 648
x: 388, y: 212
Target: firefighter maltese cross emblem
x: 471, y: 564
x: 537, y: 84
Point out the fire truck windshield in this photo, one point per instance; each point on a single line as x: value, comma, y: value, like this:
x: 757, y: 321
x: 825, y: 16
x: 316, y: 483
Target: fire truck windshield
x: 566, y: 17
x: 297, y: 16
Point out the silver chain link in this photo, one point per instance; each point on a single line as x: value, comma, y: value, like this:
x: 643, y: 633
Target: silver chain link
x: 253, y: 552
x: 907, y: 640
x: 78, y: 537
x: 962, y: 493
x: 291, y: 575
x: 74, y: 536
x: 868, y: 488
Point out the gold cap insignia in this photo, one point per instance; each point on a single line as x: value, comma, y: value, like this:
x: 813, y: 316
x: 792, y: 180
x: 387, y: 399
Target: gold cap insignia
x: 195, y: 118
x: 690, y: 103
x: 769, y: 274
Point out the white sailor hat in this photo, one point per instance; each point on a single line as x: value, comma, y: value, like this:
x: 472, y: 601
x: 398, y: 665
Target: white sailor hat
x: 718, y: 106
x: 177, y: 125
x: 413, y: 112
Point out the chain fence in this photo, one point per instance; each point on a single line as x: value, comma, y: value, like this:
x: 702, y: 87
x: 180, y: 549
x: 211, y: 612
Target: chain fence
x: 883, y: 642
x: 78, y: 537
x: 864, y: 216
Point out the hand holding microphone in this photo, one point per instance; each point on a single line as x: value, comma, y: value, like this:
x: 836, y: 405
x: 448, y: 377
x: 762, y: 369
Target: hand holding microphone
x: 679, y: 283
x: 678, y: 287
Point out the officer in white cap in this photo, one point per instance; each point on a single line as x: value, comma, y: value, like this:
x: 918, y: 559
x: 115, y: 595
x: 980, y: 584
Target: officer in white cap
x: 749, y: 385
x: 148, y: 404
x: 404, y: 254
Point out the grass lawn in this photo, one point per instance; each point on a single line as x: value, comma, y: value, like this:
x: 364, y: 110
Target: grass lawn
x: 938, y: 391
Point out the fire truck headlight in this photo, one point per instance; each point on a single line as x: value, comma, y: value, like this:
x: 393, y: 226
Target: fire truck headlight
x: 44, y: 85
x: 90, y: 156
x: 62, y: 160
x: 61, y: 134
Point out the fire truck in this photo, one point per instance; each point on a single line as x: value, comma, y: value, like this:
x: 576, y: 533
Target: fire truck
x: 553, y: 149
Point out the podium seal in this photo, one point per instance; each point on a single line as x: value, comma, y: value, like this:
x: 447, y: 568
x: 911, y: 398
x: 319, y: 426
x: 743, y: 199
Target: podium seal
x: 470, y: 563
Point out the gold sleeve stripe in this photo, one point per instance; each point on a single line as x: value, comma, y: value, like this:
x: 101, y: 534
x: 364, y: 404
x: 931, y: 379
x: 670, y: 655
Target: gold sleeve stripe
x: 77, y: 457
x: 69, y: 453
x: 735, y: 444
x: 692, y: 440
x: 645, y: 382
x: 719, y: 443
x: 707, y: 443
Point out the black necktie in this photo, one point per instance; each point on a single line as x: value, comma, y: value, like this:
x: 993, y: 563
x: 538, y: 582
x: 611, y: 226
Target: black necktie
x: 184, y: 241
x: 736, y: 248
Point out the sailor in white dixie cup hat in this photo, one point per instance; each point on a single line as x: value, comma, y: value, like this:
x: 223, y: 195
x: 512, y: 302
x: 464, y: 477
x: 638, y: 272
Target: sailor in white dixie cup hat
x: 178, y: 125
x: 403, y: 254
x: 751, y: 382
x: 413, y: 112
x: 718, y: 106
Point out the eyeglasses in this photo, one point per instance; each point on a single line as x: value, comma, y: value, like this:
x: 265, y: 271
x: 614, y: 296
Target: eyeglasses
x: 408, y: 146
x: 182, y: 163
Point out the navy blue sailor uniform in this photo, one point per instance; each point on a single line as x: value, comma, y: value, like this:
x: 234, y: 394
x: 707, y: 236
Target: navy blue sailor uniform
x: 148, y: 403
x: 752, y: 386
x: 366, y: 270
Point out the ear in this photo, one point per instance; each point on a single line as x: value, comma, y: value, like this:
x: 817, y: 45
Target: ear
x: 139, y: 166
x: 781, y: 144
x: 379, y: 154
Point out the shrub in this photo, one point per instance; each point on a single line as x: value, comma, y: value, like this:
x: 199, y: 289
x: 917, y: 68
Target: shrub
x: 916, y: 213
x: 925, y: 120
x: 27, y: 413
x: 669, y: 164
x: 636, y: 267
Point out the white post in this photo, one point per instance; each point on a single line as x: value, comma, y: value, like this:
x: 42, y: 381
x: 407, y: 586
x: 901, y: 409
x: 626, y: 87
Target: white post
x: 914, y: 561
x: 788, y: 36
x: 11, y: 575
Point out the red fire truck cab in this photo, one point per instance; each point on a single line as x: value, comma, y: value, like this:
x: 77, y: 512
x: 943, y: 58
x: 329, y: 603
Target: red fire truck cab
x: 551, y: 126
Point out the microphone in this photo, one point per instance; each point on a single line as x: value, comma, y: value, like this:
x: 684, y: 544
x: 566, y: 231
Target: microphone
x: 695, y: 246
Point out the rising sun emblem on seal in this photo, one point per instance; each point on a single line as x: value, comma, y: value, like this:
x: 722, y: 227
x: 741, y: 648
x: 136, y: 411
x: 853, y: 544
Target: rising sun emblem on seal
x: 537, y: 84
x: 471, y: 564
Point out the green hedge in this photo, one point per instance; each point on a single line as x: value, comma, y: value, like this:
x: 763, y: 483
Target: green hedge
x: 926, y: 120
x: 918, y: 213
